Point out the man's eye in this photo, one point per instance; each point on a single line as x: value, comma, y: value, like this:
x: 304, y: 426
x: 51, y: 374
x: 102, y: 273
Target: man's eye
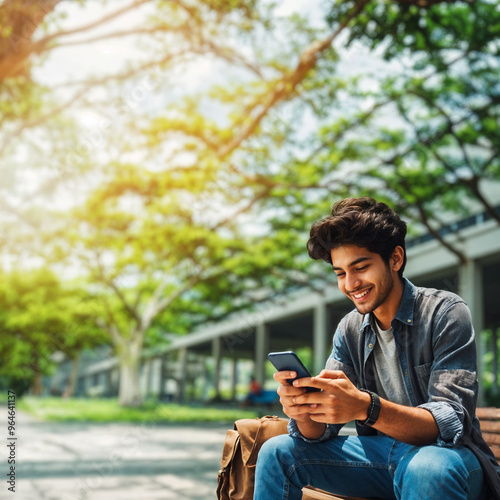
x: 361, y: 268
x: 339, y: 275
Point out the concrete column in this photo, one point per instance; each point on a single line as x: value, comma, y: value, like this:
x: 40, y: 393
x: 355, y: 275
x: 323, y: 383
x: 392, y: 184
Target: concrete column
x: 107, y: 383
x: 163, y: 376
x: 471, y: 290
x: 182, y: 374
x: 87, y: 384
x: 149, y: 380
x: 205, y: 391
x: 321, y: 337
x: 79, y: 387
x: 234, y: 378
x: 155, y: 378
x: 261, y: 351
x: 115, y: 381
x: 217, y: 356
x: 144, y: 378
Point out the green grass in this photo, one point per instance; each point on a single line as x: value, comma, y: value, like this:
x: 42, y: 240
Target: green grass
x: 108, y: 410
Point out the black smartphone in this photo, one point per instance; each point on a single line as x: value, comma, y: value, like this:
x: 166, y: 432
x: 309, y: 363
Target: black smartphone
x: 289, y: 361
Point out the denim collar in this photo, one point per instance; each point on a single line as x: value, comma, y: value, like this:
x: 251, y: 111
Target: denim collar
x: 405, y: 309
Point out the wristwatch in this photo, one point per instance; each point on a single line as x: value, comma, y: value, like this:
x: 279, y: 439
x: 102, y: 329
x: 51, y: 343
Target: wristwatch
x: 373, y: 409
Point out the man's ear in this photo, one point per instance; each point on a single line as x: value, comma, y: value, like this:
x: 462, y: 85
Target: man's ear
x: 397, y: 258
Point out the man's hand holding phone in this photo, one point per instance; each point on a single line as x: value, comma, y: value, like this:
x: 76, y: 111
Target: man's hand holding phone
x: 314, y: 401
x: 290, y: 368
x: 288, y: 394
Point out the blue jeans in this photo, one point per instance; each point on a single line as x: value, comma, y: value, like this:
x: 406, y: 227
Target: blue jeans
x: 374, y: 467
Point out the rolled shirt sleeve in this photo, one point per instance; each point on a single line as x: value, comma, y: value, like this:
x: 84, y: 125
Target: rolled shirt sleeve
x: 452, y: 404
x: 453, y: 384
x: 451, y: 427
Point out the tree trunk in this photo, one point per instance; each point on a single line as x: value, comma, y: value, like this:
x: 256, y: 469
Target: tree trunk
x: 22, y: 19
x: 37, y: 387
x: 129, y: 357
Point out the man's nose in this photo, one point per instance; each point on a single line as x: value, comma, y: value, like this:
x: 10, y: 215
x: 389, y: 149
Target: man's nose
x: 352, y: 282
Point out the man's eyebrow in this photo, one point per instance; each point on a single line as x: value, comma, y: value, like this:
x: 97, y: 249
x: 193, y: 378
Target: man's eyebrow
x: 353, y: 263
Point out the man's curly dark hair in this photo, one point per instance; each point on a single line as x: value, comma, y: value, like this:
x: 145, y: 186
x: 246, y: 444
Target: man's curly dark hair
x: 363, y: 222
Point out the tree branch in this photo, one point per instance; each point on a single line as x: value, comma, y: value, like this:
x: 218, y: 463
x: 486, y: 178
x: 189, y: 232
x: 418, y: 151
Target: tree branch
x: 111, y: 284
x: 265, y: 192
x: 126, y: 74
x: 114, y: 34
x: 473, y: 182
x: 43, y: 43
x: 423, y: 217
x: 430, y: 3
x: 157, y: 304
x: 287, y: 85
x: 130, y: 310
x: 81, y: 93
x: 111, y: 325
x: 43, y: 118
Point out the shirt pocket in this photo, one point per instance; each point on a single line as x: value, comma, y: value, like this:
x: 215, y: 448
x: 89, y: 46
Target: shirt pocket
x: 423, y: 376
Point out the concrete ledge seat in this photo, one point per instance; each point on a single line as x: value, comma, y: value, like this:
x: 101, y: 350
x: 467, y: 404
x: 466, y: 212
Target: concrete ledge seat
x: 311, y: 493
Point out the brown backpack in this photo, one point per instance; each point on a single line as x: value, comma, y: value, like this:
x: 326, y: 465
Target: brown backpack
x: 239, y: 456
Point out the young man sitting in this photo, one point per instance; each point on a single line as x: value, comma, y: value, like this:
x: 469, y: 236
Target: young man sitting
x: 403, y: 366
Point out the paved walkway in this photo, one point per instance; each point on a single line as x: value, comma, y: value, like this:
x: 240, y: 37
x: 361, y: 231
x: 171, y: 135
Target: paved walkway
x: 114, y: 461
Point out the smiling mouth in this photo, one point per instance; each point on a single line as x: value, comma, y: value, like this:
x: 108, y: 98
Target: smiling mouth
x: 360, y: 295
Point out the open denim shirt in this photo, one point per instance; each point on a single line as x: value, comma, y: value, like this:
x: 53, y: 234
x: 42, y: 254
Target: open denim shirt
x: 436, y: 349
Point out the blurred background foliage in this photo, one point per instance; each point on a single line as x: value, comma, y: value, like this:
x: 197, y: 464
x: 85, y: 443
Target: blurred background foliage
x: 178, y: 185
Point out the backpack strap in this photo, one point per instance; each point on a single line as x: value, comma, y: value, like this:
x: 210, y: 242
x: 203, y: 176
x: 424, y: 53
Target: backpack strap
x: 255, y: 432
x: 248, y: 429
x: 230, y: 446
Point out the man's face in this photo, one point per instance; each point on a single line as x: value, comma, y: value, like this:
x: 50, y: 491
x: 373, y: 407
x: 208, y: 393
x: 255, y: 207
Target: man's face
x: 364, y: 277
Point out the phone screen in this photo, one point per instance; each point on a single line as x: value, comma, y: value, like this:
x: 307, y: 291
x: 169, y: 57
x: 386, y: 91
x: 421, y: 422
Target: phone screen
x: 289, y: 361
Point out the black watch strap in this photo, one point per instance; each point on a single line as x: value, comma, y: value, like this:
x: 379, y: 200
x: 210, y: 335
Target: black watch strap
x: 373, y: 409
